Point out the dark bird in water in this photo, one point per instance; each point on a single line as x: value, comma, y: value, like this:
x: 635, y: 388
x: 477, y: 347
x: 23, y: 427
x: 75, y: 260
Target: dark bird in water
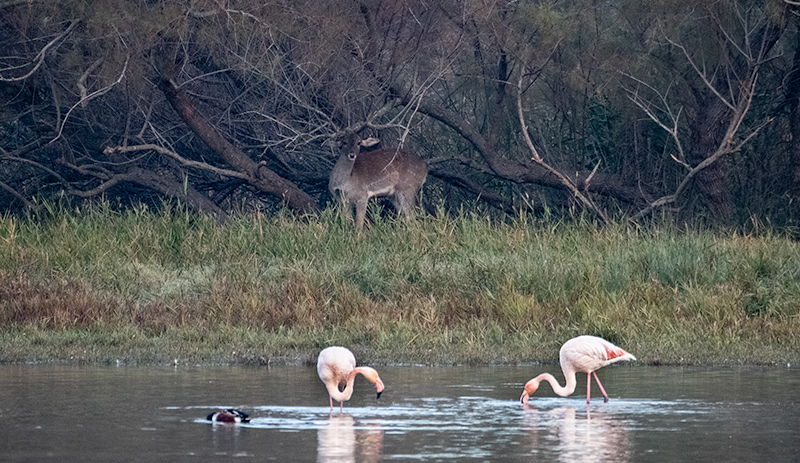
x: 228, y: 415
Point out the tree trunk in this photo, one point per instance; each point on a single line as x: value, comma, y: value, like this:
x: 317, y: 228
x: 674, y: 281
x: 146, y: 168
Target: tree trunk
x: 793, y: 98
x: 601, y: 183
x: 713, y: 182
x: 172, y: 188
x: 259, y: 176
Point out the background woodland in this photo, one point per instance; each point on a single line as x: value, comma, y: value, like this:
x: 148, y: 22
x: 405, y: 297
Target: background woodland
x: 679, y: 109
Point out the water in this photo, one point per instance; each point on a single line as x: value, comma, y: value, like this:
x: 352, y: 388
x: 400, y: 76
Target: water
x: 454, y: 414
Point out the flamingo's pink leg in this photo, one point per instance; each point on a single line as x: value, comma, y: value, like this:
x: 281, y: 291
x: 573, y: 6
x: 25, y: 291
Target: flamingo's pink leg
x: 605, y: 396
x: 588, y: 386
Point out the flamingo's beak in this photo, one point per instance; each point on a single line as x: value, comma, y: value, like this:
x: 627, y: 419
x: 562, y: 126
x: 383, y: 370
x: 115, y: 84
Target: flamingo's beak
x: 379, y: 387
x: 528, y: 391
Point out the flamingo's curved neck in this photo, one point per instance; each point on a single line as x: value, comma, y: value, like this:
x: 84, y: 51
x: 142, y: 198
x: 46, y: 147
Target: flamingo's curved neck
x: 564, y: 391
x: 339, y: 393
x: 343, y: 390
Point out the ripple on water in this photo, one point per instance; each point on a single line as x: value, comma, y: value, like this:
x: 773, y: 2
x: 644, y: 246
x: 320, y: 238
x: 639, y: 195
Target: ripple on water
x: 472, y: 414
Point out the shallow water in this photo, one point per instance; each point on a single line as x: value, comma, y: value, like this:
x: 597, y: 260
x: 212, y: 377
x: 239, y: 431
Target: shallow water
x: 121, y: 414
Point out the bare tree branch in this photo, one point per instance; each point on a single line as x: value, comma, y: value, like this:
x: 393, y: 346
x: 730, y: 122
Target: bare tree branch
x: 701, y: 73
x: 538, y: 159
x: 179, y: 158
x: 39, y: 56
x: 726, y: 147
x: 16, y: 194
x: 673, y: 117
x: 160, y: 183
x: 258, y: 175
x: 82, y: 81
x: 91, y: 96
x: 38, y: 165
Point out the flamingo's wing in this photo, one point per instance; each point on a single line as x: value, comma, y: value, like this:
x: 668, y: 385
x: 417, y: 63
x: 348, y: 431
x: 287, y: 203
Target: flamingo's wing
x: 590, y: 353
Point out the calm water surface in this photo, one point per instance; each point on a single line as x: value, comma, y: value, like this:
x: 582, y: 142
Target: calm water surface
x: 126, y: 414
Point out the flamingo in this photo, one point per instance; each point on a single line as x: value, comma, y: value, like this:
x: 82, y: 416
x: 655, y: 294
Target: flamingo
x: 336, y: 367
x: 584, y: 354
x: 228, y: 415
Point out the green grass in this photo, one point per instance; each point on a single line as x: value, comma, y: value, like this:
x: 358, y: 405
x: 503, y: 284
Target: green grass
x: 99, y: 285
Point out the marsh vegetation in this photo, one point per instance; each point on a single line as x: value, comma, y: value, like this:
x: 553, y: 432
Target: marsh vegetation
x: 139, y: 285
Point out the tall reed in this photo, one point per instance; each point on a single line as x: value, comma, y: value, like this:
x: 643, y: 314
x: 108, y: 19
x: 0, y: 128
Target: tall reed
x: 168, y: 282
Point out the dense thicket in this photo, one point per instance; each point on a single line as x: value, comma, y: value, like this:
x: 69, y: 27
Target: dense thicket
x: 688, y: 108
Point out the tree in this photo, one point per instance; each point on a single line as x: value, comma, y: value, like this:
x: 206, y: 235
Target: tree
x: 615, y: 106
x: 704, y: 109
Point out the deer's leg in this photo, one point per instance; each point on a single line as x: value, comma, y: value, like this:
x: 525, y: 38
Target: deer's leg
x: 404, y: 202
x: 361, y: 213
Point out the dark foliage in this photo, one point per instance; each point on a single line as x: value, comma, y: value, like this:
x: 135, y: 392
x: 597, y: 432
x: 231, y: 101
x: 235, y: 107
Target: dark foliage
x: 684, y: 109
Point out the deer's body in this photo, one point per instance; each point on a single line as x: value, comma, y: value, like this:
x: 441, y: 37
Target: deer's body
x: 385, y: 172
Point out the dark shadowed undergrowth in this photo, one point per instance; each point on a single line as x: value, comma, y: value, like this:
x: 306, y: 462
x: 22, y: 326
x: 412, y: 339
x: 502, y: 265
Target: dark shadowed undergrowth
x: 143, y: 286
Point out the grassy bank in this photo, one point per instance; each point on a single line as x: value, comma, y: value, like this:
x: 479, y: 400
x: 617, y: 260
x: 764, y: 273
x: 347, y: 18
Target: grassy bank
x: 147, y: 286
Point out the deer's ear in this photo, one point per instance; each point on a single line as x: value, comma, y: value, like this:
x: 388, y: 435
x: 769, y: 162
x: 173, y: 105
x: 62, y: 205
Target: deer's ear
x: 371, y: 141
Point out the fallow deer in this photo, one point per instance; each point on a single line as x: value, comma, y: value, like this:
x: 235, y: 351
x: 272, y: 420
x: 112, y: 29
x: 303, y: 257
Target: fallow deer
x: 390, y: 172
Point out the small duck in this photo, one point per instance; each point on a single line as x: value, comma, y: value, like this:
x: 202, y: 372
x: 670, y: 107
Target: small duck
x: 228, y: 415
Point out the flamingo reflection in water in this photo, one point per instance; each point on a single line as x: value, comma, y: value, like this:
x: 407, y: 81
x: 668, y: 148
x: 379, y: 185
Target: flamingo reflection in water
x: 601, y: 437
x: 338, y: 441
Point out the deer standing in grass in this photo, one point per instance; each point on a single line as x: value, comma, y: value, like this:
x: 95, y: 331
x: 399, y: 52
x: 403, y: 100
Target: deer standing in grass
x: 384, y: 172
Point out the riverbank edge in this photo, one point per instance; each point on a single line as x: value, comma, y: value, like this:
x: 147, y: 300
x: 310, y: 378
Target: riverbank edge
x: 228, y: 347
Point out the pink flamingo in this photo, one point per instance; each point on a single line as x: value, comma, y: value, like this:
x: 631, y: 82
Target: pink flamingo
x: 336, y: 367
x: 584, y: 354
